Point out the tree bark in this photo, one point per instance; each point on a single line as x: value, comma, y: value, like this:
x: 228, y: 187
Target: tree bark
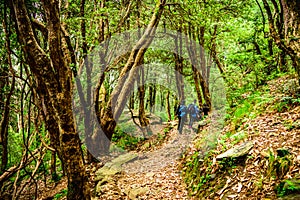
x: 198, y: 77
x: 192, y: 51
x: 214, y: 52
x: 4, y: 122
x: 144, y: 122
x: 162, y: 102
x: 168, y: 107
x: 152, y: 95
x: 286, y: 39
x: 128, y: 75
x: 179, y: 66
x: 54, y: 72
x: 131, y: 101
x: 201, y: 40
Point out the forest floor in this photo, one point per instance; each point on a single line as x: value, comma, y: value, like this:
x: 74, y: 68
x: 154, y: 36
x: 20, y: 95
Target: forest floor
x: 156, y: 171
x: 275, y: 130
x: 153, y: 174
x: 271, y: 168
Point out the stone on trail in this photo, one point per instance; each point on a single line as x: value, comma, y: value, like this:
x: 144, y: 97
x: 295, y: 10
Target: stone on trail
x: 106, y: 171
x: 133, y: 193
x: 237, y: 151
x: 124, y: 158
x: 115, y: 166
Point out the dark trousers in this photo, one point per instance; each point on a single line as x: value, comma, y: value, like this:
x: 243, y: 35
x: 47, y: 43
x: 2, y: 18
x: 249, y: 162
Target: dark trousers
x: 192, y: 119
x: 181, y: 123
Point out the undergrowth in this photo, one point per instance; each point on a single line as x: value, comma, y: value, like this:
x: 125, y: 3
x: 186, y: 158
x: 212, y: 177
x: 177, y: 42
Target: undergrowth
x: 122, y: 139
x: 205, y: 176
x: 249, y: 106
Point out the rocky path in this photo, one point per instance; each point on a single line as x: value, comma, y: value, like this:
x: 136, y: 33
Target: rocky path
x: 167, y: 155
x: 147, y: 175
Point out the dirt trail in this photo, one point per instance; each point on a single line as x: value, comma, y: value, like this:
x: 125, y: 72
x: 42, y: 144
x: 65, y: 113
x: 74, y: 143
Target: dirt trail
x: 157, y: 171
x: 167, y: 155
x: 155, y: 174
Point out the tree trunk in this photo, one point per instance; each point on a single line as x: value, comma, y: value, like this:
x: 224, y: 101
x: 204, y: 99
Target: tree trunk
x: 282, y: 61
x: 152, y: 95
x: 286, y: 38
x: 179, y: 66
x: 162, y: 102
x: 144, y: 122
x: 192, y: 51
x: 168, y: 107
x: 54, y: 72
x: 131, y: 101
x: 205, y: 90
x: 53, y: 166
x: 128, y: 75
x: 214, y: 52
x: 201, y: 40
x: 4, y: 122
x: 198, y: 78
x: 292, y: 30
x: 208, y: 67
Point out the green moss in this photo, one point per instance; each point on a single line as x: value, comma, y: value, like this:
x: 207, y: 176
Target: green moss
x: 123, y: 140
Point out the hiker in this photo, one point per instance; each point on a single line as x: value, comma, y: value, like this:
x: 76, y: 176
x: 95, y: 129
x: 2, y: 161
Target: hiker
x: 181, y: 113
x: 205, y: 109
x: 194, y: 113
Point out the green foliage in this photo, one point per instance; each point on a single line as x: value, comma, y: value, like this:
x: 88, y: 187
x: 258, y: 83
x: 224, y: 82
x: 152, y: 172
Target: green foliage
x: 161, y: 137
x: 122, y: 139
x: 248, y: 106
x: 128, y: 128
x: 287, y: 187
x: 199, y: 176
x: 286, y: 103
x: 15, y: 147
x: 235, y: 138
x: 259, y: 183
x: 61, y: 194
x: 162, y: 115
x: 277, y: 165
x: 228, y: 163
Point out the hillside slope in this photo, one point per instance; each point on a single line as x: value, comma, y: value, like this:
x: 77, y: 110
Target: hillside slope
x: 271, y: 168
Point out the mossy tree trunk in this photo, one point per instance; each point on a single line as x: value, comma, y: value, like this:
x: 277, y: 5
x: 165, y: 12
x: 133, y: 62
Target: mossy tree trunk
x: 179, y: 65
x: 285, y: 28
x: 144, y: 122
x: 54, y: 73
x: 128, y: 76
x: 200, y: 81
x: 5, y: 97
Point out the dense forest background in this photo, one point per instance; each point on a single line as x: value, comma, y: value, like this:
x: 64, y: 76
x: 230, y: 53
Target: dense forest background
x: 72, y: 71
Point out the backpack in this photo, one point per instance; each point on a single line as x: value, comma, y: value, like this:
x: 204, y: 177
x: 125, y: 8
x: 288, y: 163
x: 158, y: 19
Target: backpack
x: 192, y: 109
x: 182, y: 110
